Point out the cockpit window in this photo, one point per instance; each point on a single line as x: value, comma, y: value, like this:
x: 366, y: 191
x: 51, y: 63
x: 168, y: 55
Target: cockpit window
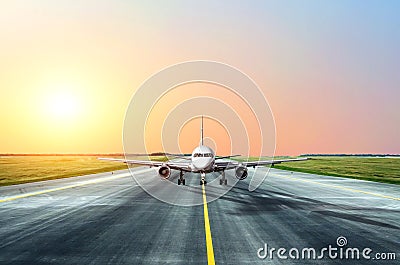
x: 203, y: 155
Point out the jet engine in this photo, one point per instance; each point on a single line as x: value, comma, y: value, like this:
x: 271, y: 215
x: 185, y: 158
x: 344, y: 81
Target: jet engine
x: 164, y: 171
x: 241, y: 172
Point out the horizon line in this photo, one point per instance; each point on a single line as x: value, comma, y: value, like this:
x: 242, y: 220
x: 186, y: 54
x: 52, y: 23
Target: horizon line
x: 164, y: 153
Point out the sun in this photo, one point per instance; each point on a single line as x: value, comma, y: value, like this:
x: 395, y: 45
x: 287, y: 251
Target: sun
x: 62, y: 104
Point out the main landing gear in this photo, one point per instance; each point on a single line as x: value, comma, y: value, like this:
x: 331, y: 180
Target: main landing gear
x: 181, y: 180
x: 203, y: 179
x: 223, y: 180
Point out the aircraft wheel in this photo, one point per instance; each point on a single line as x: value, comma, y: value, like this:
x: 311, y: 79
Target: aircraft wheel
x: 179, y: 182
x: 226, y: 182
x: 183, y: 182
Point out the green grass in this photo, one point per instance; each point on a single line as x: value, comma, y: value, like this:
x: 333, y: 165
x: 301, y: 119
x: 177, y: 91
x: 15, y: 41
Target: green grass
x: 23, y: 169
x: 366, y: 168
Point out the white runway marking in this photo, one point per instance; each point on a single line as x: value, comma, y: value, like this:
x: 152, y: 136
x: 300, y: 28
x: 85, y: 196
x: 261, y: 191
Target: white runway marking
x: 78, y: 184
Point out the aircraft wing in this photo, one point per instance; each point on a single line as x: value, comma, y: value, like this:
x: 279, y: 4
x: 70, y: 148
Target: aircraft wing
x: 173, y: 165
x: 223, y: 165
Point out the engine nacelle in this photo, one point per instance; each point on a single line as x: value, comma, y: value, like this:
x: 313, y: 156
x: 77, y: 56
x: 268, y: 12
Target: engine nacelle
x: 164, y: 172
x: 241, y: 172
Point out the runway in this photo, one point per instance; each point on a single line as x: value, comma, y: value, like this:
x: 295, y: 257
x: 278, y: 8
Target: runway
x: 108, y: 219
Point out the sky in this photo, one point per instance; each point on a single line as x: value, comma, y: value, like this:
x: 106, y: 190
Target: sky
x: 329, y: 69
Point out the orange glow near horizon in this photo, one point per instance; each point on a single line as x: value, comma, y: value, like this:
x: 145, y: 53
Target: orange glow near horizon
x: 179, y: 95
x: 215, y: 136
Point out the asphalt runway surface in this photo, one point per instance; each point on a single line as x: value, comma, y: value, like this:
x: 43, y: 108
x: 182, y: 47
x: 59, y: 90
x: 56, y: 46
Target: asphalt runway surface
x: 108, y: 219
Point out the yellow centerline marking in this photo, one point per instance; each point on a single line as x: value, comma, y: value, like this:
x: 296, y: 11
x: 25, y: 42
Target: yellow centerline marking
x: 341, y: 188
x: 209, y: 244
x: 83, y: 183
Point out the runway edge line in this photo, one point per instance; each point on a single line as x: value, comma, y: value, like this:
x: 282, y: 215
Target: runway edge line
x: 341, y: 187
x: 80, y: 184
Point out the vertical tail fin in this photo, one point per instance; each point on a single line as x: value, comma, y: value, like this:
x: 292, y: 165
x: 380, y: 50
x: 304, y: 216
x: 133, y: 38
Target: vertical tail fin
x: 201, y: 131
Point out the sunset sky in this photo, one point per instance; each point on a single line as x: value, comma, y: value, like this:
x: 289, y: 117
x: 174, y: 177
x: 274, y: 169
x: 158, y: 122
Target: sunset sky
x: 329, y: 69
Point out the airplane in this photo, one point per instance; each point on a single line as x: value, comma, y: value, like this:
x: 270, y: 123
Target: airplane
x: 203, y: 160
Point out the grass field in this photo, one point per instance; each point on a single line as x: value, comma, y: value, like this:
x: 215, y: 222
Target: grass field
x: 23, y: 169
x: 365, y: 168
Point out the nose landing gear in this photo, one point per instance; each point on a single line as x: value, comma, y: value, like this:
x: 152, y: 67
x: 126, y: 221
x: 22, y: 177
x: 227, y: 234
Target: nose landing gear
x: 203, y: 179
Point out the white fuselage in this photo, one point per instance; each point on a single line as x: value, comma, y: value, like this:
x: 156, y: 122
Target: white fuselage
x: 203, y: 159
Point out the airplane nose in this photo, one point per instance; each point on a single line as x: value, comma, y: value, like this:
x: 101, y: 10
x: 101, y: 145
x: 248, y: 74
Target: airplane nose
x: 201, y: 163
